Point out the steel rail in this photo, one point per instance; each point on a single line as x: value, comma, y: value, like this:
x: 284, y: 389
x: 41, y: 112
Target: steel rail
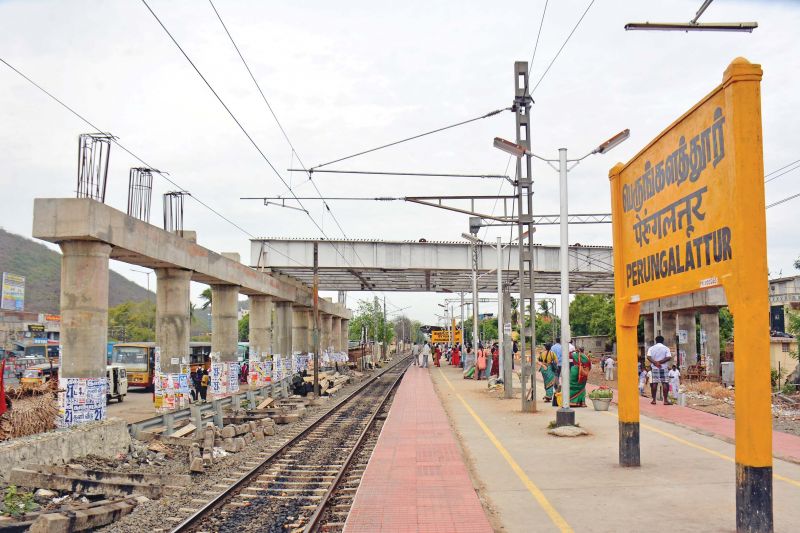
x: 221, y: 498
x: 313, y: 522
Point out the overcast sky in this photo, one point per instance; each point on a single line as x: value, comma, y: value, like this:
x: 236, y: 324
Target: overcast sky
x: 345, y: 76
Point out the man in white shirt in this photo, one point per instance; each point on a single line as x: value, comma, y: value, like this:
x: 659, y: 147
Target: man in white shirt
x: 610, y: 369
x: 659, y: 358
x: 426, y: 353
x: 415, y: 354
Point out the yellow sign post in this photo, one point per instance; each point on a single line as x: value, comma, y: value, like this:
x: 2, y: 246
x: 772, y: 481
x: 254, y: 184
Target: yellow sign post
x: 688, y: 213
x: 443, y: 335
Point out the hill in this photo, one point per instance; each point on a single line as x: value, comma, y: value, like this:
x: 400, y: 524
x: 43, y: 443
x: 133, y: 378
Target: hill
x: 41, y: 267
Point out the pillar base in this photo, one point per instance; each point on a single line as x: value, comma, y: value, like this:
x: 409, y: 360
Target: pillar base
x: 629, y: 444
x: 565, y: 417
x: 754, y: 498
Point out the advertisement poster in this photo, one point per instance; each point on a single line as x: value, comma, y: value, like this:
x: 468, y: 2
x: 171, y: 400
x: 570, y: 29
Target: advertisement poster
x: 215, y: 385
x: 233, y: 377
x: 81, y: 400
x: 13, y: 292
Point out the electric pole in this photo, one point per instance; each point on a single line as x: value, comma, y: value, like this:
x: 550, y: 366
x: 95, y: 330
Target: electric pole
x: 525, y: 229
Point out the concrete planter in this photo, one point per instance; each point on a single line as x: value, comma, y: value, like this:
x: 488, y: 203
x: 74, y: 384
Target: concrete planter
x: 601, y: 404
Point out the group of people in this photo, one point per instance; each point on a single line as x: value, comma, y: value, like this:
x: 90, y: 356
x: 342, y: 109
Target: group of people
x: 200, y: 384
x: 550, y: 364
x: 477, y: 364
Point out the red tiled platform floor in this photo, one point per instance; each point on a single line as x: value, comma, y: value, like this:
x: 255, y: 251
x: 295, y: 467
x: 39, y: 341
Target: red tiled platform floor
x: 416, y: 480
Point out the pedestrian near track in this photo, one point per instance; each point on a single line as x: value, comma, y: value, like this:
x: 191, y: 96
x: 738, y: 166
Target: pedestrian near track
x: 415, y: 354
x: 609, y: 369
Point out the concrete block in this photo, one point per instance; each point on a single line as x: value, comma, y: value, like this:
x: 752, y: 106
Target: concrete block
x: 228, y: 432
x: 239, y: 442
x: 196, y: 465
x: 269, y: 431
x: 228, y: 445
x: 207, y: 459
x: 107, y: 438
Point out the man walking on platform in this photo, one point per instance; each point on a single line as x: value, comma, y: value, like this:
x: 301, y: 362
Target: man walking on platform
x: 415, y: 354
x: 426, y: 353
x: 659, y: 357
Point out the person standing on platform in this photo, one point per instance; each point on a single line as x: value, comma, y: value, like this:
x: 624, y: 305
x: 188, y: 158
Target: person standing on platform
x: 609, y: 369
x: 487, y: 352
x: 659, y: 358
x: 426, y: 353
x: 642, y: 381
x: 455, y: 357
x: 514, y: 352
x: 415, y: 354
x: 480, y: 362
x: 437, y: 355
x: 547, y: 364
x: 495, y: 371
x: 674, y: 380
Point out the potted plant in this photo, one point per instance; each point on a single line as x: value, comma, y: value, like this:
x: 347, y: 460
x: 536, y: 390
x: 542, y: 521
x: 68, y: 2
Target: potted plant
x: 601, y: 398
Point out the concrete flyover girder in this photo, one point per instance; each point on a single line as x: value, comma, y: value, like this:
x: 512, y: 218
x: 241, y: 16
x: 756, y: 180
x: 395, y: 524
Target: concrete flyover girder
x: 428, y: 266
x: 706, y: 298
x: 139, y: 243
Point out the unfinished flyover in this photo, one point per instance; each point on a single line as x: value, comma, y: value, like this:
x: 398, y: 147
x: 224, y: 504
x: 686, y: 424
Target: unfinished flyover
x: 90, y: 233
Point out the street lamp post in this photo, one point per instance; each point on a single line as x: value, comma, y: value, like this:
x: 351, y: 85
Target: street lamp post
x: 565, y: 416
x: 145, y: 272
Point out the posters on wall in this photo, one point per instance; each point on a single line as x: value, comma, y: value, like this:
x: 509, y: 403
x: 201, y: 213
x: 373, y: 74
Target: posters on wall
x: 233, y: 377
x: 81, y: 400
x: 13, y: 292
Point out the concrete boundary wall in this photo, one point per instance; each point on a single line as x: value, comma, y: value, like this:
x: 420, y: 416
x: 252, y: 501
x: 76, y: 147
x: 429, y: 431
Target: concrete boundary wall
x: 106, y: 438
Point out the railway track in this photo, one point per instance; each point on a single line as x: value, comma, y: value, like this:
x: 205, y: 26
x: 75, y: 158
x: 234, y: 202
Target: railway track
x: 308, y: 483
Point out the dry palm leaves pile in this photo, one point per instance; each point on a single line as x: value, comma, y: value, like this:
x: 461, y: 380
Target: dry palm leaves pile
x: 34, y: 410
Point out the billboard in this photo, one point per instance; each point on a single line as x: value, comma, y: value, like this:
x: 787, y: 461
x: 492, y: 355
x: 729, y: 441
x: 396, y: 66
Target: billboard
x: 443, y: 335
x: 13, y: 292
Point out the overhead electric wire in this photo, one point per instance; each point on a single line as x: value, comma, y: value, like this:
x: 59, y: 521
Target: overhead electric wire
x: 419, y: 174
x: 779, y: 169
x: 136, y: 157
x: 562, y: 46
x: 792, y: 197
x: 535, y: 47
x: 395, y: 143
x: 782, y: 173
x: 239, y: 124
x: 280, y: 126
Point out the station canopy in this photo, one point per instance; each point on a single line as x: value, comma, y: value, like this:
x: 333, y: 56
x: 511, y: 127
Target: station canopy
x: 428, y: 266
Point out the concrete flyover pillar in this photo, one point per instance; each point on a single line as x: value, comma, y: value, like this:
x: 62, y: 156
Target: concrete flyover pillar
x: 668, y: 331
x: 282, y: 331
x: 84, y: 329
x: 709, y: 322
x: 336, y: 333
x: 687, y: 322
x: 173, y: 322
x: 300, y: 330
x: 649, y: 330
x: 225, y: 321
x: 260, y: 324
x: 345, y: 334
x: 326, y: 323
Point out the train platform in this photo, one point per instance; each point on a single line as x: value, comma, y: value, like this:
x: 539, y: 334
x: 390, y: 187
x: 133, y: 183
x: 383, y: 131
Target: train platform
x: 416, y: 479
x: 532, y: 481
x: 784, y: 445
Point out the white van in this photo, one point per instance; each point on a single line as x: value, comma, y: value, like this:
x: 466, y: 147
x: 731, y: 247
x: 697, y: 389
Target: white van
x: 117, y: 382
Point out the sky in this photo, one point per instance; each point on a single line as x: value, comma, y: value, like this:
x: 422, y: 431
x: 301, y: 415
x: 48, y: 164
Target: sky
x: 346, y: 76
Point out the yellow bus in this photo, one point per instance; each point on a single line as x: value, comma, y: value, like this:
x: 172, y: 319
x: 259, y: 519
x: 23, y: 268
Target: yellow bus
x: 138, y: 359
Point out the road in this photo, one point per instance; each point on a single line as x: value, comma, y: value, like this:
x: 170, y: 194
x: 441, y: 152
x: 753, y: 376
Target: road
x: 138, y: 405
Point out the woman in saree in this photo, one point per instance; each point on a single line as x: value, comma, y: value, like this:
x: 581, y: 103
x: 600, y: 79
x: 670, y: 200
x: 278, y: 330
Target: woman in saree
x: 547, y: 363
x: 579, y: 367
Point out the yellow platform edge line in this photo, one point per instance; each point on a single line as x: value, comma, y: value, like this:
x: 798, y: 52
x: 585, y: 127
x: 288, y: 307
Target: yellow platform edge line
x: 537, y: 494
x: 703, y: 448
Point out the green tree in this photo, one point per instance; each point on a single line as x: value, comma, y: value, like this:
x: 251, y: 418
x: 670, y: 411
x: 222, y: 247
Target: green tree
x: 725, y: 326
x: 592, y: 314
x: 369, y: 314
x: 132, y: 322
x: 244, y: 328
x: 206, y: 297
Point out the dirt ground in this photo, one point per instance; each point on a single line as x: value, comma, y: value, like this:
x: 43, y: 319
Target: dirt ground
x: 713, y: 398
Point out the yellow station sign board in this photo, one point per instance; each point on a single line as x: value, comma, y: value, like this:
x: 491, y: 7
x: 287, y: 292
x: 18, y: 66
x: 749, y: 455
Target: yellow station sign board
x: 688, y: 213
x: 443, y: 335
